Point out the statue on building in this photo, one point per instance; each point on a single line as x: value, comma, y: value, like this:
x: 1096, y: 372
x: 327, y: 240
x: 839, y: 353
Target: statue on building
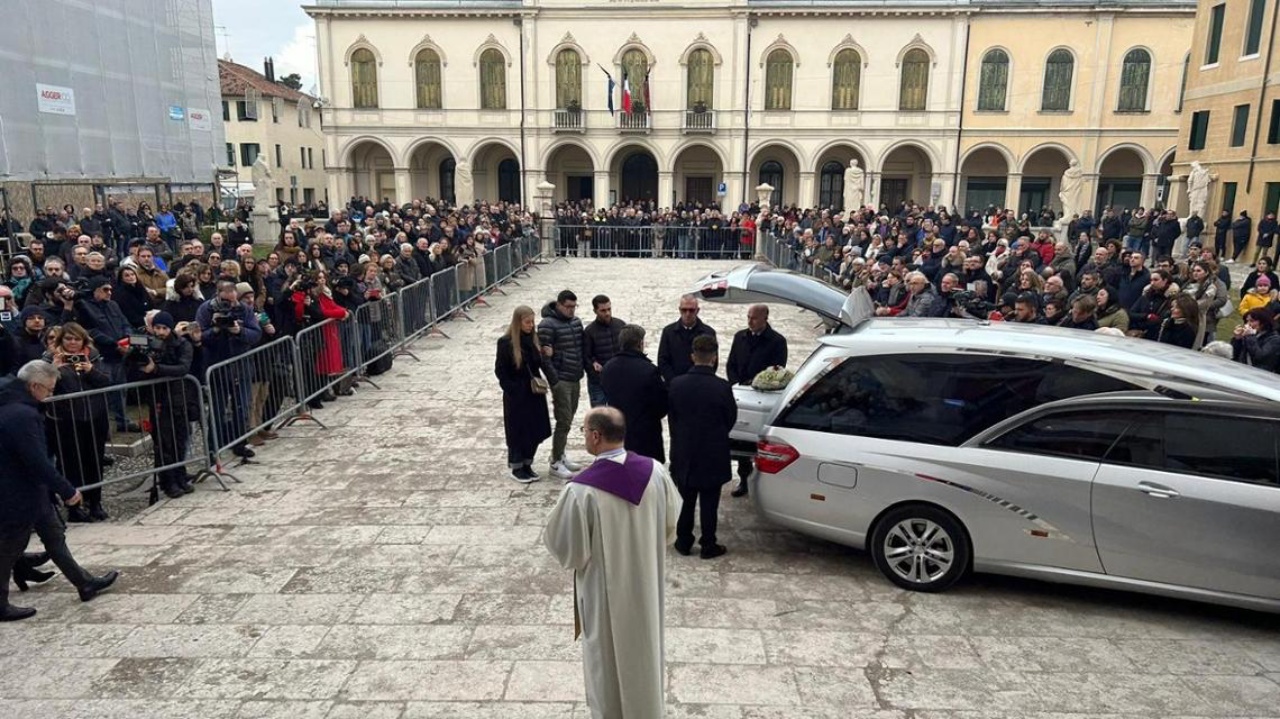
x: 854, y: 185
x: 264, y: 185
x: 1198, y: 181
x: 1069, y: 190
x: 464, y: 187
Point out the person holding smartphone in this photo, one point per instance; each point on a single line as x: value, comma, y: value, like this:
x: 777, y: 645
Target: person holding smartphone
x: 79, y: 429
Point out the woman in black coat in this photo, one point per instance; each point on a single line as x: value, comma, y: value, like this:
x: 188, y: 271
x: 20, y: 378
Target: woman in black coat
x: 524, y: 412
x: 78, y: 428
x: 1182, y: 326
x: 132, y: 297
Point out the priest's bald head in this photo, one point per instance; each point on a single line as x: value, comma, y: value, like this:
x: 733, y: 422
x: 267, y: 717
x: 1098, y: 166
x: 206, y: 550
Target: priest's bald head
x: 604, y: 429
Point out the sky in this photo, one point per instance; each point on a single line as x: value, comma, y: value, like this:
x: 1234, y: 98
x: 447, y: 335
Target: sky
x: 251, y: 30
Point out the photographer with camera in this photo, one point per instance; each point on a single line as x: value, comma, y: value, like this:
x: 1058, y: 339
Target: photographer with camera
x: 78, y: 428
x: 166, y: 354
x: 230, y: 329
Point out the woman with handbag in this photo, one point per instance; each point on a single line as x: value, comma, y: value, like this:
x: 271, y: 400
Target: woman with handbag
x: 525, y: 382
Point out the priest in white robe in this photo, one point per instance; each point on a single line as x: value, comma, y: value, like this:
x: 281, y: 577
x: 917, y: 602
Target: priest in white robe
x: 612, y: 526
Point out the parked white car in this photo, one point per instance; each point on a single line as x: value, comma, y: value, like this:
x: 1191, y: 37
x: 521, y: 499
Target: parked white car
x: 943, y: 446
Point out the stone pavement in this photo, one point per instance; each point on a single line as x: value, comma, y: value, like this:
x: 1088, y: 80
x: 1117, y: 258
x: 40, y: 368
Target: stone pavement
x: 385, y: 568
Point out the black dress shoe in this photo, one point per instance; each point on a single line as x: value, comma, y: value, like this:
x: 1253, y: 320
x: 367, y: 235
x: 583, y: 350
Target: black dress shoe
x: 171, y: 491
x: 685, y: 549
x: 78, y: 514
x: 315, y: 403
x: 245, y: 452
x: 713, y: 551
x: 98, y: 514
x: 11, y: 613
x: 97, y: 585
x: 741, y: 490
x: 24, y: 573
x: 185, y: 486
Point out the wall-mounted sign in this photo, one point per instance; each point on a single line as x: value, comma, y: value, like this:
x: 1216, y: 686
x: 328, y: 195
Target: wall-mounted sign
x: 199, y: 119
x: 55, y: 100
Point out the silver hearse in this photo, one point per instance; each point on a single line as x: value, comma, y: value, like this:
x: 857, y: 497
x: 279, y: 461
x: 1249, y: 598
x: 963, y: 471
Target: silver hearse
x: 944, y: 446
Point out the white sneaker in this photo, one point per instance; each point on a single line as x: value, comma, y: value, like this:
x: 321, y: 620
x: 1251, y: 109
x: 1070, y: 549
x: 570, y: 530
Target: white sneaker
x: 571, y: 465
x: 560, y: 471
x: 1229, y: 262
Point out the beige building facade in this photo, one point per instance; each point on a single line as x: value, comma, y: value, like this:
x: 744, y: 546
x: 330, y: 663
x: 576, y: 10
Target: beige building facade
x: 263, y: 117
x: 1231, y: 119
x: 737, y: 94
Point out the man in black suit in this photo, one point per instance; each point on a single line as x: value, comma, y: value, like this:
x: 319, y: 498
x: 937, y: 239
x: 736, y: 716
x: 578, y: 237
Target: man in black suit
x: 754, y: 350
x: 633, y: 385
x: 27, y: 478
x: 676, y: 344
x: 702, y: 412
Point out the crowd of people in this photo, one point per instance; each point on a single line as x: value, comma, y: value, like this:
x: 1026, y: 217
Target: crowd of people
x: 918, y: 263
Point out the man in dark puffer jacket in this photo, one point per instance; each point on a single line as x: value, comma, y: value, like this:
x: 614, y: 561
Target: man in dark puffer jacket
x: 561, y: 335
x: 600, y: 344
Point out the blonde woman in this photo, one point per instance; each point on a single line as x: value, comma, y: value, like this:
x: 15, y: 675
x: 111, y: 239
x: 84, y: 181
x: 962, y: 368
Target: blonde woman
x: 524, y: 410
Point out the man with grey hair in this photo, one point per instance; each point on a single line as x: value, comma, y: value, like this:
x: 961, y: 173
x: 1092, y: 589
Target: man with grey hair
x: 675, y: 346
x: 27, y: 478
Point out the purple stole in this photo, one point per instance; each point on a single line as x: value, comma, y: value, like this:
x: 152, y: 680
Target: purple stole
x: 627, y: 480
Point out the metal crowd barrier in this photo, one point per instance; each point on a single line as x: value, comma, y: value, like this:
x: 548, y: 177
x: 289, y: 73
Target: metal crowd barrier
x: 191, y: 425
x: 674, y: 241
x: 174, y: 434
x: 248, y: 394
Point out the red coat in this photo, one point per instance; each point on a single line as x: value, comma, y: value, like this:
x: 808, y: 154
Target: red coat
x: 748, y: 232
x: 329, y: 359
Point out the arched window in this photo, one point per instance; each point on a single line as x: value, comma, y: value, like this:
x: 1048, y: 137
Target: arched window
x: 831, y: 186
x: 914, y: 91
x: 778, y: 69
x: 426, y: 79
x: 993, y: 81
x: 568, y: 78
x: 446, y: 180
x: 364, y: 79
x: 493, y: 80
x: 771, y: 174
x: 846, y: 76
x: 635, y: 67
x: 509, y: 180
x: 1135, y: 76
x: 701, y: 78
x: 1058, y: 72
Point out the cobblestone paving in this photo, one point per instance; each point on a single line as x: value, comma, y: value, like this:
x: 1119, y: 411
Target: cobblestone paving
x: 385, y: 568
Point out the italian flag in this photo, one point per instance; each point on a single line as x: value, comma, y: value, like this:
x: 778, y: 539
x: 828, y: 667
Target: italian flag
x: 626, y: 93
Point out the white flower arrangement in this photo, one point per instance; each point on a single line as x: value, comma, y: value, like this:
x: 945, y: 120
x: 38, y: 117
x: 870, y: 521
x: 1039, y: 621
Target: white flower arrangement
x: 774, y: 379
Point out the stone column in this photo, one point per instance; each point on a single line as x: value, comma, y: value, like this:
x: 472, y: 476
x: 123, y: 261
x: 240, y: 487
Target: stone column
x: 602, y: 188
x: 1148, y: 199
x: 873, y: 190
x: 1177, y: 199
x: 403, y: 192
x: 763, y: 192
x: 542, y: 204
x: 808, y: 196
x: 666, y: 183
x: 1012, y: 191
x: 341, y: 181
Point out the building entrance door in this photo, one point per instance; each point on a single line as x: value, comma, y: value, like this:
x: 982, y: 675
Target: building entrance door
x: 639, y: 178
x: 893, y: 192
x: 580, y: 187
x: 699, y: 189
x: 386, y: 187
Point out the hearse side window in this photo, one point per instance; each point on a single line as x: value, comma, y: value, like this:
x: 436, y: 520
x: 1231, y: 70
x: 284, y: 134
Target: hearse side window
x: 936, y: 399
x: 1085, y: 435
x: 1242, y: 449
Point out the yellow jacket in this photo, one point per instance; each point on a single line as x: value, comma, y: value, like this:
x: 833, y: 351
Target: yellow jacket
x: 1254, y: 299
